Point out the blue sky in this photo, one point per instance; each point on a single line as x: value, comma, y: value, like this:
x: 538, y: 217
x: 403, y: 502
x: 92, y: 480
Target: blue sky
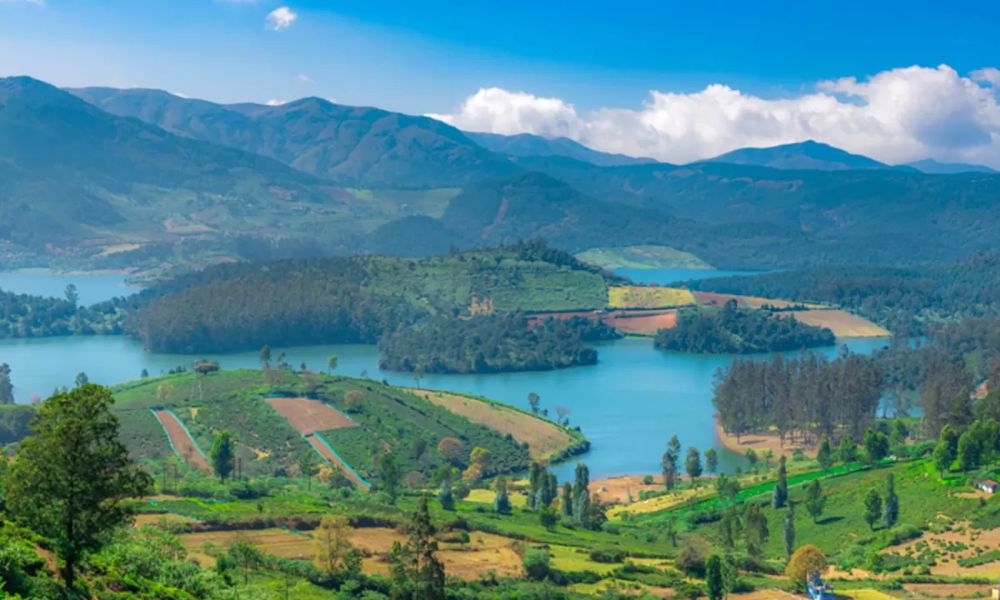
x: 430, y: 57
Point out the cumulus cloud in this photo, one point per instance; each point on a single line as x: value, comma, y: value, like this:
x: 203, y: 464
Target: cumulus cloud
x: 276, y: 102
x: 895, y: 116
x: 281, y: 18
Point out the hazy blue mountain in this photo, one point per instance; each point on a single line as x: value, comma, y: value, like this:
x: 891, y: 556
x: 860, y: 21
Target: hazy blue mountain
x: 526, y: 144
x: 346, y: 144
x: 71, y: 172
x: 802, y: 155
x: 929, y: 165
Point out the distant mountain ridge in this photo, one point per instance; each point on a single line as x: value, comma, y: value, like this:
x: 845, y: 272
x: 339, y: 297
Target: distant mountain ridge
x: 802, y: 155
x: 931, y: 166
x: 526, y: 144
x: 346, y: 144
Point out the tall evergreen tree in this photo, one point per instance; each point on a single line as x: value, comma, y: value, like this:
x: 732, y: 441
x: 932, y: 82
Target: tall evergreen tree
x: 780, y: 496
x: 890, y: 514
x: 501, y: 504
x: 873, y: 508
x: 581, y: 494
x: 6, y: 387
x: 417, y: 573
x: 713, y: 578
x: 711, y: 460
x: 815, y: 500
x: 566, y: 501
x: 789, y: 530
x: 692, y: 463
x: 824, y: 455
x: 223, y: 455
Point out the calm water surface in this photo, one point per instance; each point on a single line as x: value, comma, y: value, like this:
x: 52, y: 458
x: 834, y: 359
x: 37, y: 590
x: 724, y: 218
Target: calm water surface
x: 666, y: 276
x: 91, y: 288
x: 628, y: 404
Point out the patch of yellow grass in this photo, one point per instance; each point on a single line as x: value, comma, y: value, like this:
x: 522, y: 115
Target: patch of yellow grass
x: 866, y: 594
x: 841, y: 323
x: 637, y: 296
x: 488, y: 496
x: 567, y: 558
x: 544, y: 438
x: 658, y: 503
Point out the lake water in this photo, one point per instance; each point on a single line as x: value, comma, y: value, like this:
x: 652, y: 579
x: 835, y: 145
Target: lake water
x: 628, y: 405
x: 90, y: 288
x: 667, y: 276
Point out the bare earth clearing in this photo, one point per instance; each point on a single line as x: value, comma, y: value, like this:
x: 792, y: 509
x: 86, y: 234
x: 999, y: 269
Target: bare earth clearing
x: 181, y: 440
x: 760, y: 442
x: 544, y: 438
x: 318, y: 444
x: 840, y: 322
x: 963, y: 541
x: 309, y: 416
x: 616, y: 490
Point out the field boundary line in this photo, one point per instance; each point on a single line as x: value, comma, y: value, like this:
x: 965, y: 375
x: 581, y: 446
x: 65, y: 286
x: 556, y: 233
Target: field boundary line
x: 339, y: 458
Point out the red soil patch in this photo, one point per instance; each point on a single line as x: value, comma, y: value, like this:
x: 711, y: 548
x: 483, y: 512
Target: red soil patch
x: 309, y: 416
x: 182, y: 441
x: 642, y: 323
x: 325, y: 452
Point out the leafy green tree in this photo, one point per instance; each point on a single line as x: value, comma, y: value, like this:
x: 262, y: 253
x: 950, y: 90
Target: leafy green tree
x: 70, y: 478
x: 873, y: 508
x: 780, y: 496
x: 968, y: 451
x: 789, y: 530
x: 581, y: 493
x: 674, y: 448
x: 669, y: 470
x: 446, y: 496
x: 331, y: 364
x: 727, y: 487
x: 876, y: 445
x: 548, y: 518
x: 815, y: 500
x: 81, y: 379
x: 714, y: 584
x: 223, y: 455
x: 72, y: 295
x: 692, y: 463
x: 246, y: 555
x: 501, y: 504
x: 534, y: 402
x: 537, y: 563
x: 946, y: 449
x: 308, y: 466
x: 890, y: 514
x: 390, y: 475
x: 265, y: 357
x: 848, y: 450
x: 730, y: 573
x: 566, y: 500
x: 730, y: 526
x: 755, y: 530
x: 711, y: 460
x: 824, y: 456
x: 752, y: 458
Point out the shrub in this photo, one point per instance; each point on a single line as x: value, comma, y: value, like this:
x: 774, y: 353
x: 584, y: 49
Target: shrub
x: 537, y: 563
x: 607, y: 555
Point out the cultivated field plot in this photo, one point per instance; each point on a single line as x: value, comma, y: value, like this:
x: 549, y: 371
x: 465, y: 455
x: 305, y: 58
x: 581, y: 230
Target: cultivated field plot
x: 181, y: 440
x: 543, y: 438
x: 324, y: 450
x: 717, y: 299
x: 484, y: 552
x: 841, y: 323
x: 309, y: 416
x: 638, y: 296
x: 641, y: 323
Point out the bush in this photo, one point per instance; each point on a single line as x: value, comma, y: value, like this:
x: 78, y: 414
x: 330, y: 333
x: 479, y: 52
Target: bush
x: 537, y: 563
x: 607, y: 555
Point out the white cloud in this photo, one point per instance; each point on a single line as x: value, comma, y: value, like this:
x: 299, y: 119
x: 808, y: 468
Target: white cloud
x: 276, y: 102
x: 281, y: 18
x: 303, y: 78
x: 894, y: 116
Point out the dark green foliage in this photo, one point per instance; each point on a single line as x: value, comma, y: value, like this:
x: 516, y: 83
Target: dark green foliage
x: 780, y: 496
x: 713, y: 578
x: 739, y: 331
x: 872, y: 508
x: 581, y: 494
x: 711, y: 460
x: 22, y: 315
x: 946, y: 449
x: 815, y: 500
x: 390, y: 476
x: 847, y: 451
x: 536, y: 563
x: 566, y: 500
x: 890, y: 513
x: 14, y: 420
x: 824, y: 455
x: 876, y: 445
x: 222, y: 455
x: 70, y: 478
x: 788, y: 530
x: 6, y: 387
x: 492, y: 343
x: 755, y: 530
x: 692, y: 463
x: 414, y: 567
x: 799, y: 394
x: 501, y: 503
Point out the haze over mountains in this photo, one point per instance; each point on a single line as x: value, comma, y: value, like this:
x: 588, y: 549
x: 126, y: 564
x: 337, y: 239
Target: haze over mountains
x: 105, y: 177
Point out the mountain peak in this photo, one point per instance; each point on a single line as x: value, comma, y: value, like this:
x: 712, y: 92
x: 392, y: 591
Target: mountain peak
x: 808, y: 154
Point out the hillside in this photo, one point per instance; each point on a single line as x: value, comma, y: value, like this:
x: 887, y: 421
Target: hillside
x: 347, y: 144
x: 359, y: 420
x: 800, y: 156
x: 929, y: 165
x: 526, y: 144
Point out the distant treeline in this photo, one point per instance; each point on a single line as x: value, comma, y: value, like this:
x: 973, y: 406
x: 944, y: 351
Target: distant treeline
x: 808, y: 395
x: 24, y: 316
x: 904, y: 300
x: 492, y: 343
x: 732, y: 330
x: 944, y: 375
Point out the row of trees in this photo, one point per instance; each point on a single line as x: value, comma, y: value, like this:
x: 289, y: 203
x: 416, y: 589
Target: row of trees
x: 23, y: 315
x: 803, y: 397
x: 732, y: 330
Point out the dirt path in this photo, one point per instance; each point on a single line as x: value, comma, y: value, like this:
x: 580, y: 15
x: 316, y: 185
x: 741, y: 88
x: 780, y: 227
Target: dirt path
x: 327, y: 452
x: 759, y: 442
x: 181, y: 441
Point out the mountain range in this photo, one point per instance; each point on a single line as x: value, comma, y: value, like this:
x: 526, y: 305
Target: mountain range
x: 106, y: 177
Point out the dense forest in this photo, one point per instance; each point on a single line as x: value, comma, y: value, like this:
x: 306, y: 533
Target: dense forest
x: 492, y: 343
x: 22, y: 315
x: 953, y: 376
x: 903, y: 300
x: 357, y: 299
x: 738, y: 331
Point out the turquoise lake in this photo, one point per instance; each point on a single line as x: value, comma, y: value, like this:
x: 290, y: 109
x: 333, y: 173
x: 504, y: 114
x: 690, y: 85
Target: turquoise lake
x: 628, y: 405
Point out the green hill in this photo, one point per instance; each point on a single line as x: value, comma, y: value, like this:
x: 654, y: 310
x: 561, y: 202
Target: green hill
x: 385, y: 420
x: 803, y: 155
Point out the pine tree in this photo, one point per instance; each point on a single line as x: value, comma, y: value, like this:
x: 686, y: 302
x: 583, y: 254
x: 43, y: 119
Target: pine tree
x: 789, y: 530
x: 566, y: 502
x: 692, y: 463
x: 446, y: 496
x: 581, y: 494
x: 815, y: 500
x: 780, y: 496
x: 873, y: 508
x: 890, y: 514
x: 824, y: 456
x: 713, y: 578
x: 711, y: 460
x: 416, y: 571
x: 946, y: 449
x: 222, y: 455
x: 501, y: 504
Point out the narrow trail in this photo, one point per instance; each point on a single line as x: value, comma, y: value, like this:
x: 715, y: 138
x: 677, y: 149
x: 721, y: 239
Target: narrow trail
x: 180, y: 440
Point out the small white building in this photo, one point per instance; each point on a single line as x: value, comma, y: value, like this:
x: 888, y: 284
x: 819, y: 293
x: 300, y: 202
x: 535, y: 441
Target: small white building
x: 989, y: 486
